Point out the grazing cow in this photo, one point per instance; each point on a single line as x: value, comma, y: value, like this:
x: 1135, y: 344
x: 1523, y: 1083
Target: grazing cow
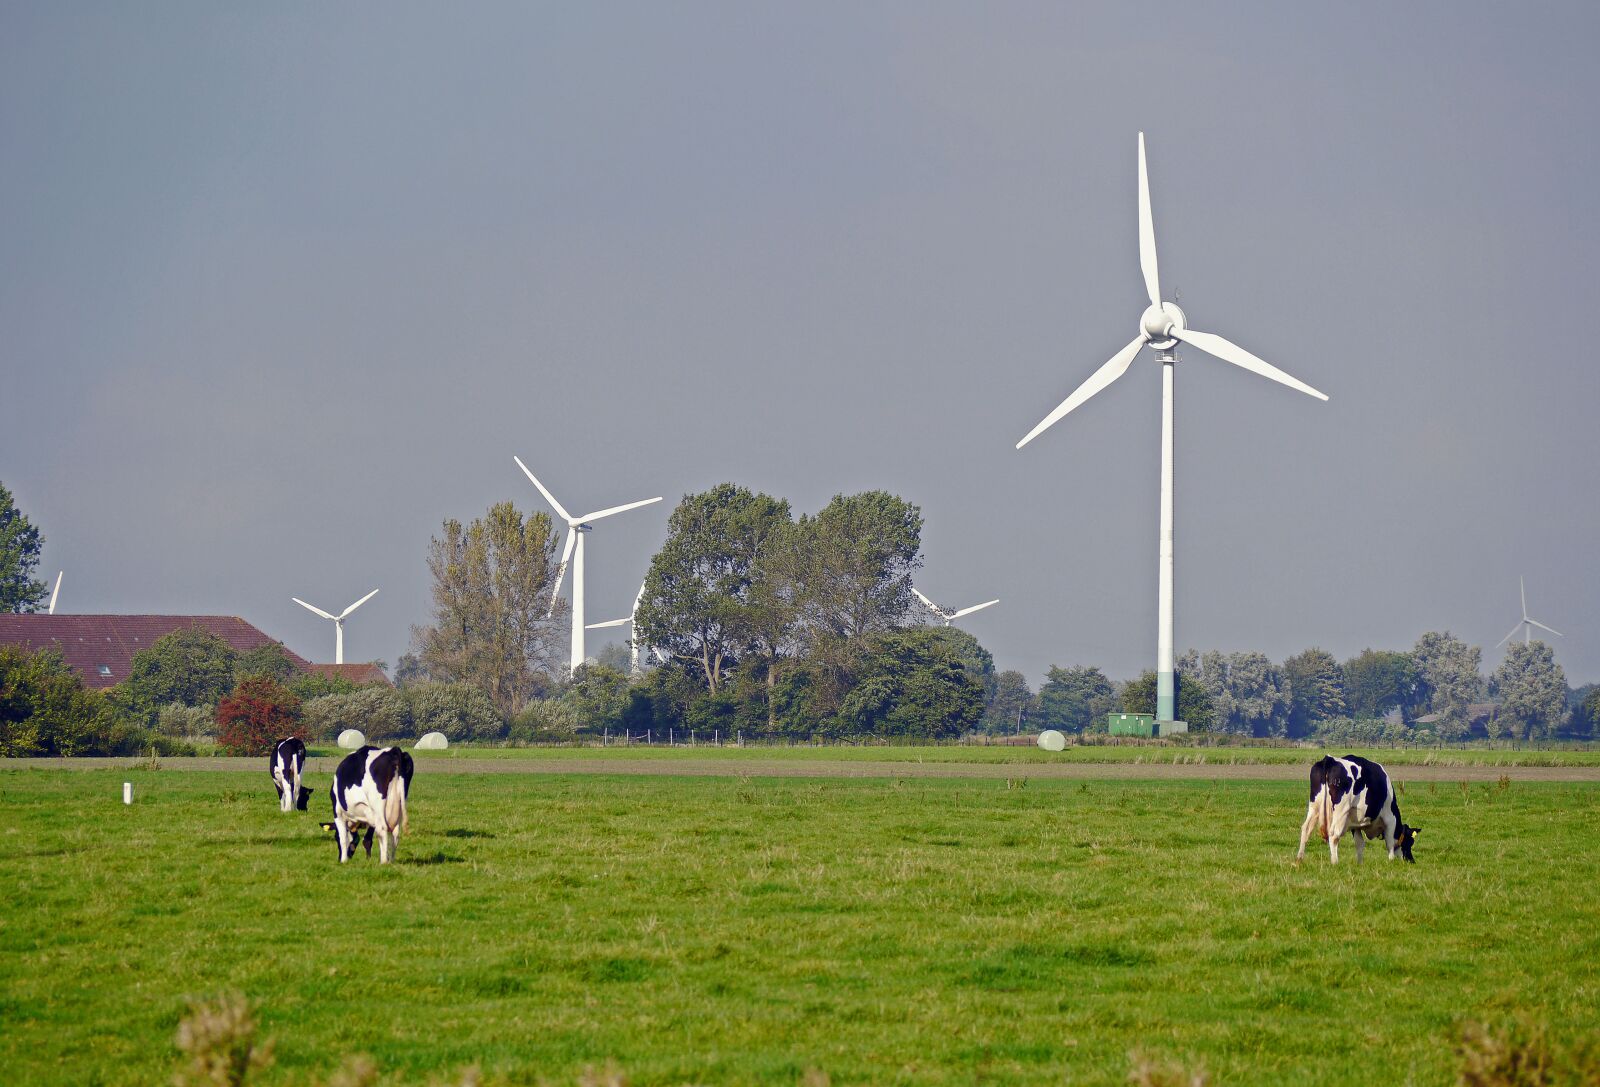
x: 287, y: 762
x: 1354, y: 794
x: 369, y: 790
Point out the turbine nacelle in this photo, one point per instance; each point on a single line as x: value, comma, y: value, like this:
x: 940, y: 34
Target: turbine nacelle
x: 1157, y: 322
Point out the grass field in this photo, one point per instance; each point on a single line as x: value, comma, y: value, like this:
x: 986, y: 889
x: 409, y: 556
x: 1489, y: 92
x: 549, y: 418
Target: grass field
x: 733, y: 931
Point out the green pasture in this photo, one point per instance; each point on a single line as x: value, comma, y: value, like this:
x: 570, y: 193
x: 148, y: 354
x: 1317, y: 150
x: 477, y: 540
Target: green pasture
x: 750, y: 931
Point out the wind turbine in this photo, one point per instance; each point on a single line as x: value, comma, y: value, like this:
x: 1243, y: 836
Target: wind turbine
x: 55, y: 593
x: 948, y: 616
x: 338, y: 622
x: 573, y: 550
x: 1161, y: 327
x: 633, y: 668
x: 1527, y: 624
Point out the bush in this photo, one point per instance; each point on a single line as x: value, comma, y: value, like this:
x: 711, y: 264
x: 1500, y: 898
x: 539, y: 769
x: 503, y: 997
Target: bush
x: 188, y: 666
x: 459, y: 710
x: 543, y: 719
x: 270, y: 660
x: 45, y: 710
x: 1365, y: 730
x: 309, y: 685
x: 376, y: 711
x: 258, y: 714
x: 176, y: 719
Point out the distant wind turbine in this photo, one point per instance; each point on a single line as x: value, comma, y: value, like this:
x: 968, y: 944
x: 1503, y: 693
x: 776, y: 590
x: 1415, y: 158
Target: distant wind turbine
x: 948, y: 616
x: 1527, y: 624
x: 338, y: 622
x: 1161, y: 327
x: 633, y: 643
x: 573, y: 551
x: 55, y: 593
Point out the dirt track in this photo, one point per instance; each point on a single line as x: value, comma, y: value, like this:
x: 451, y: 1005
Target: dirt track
x: 821, y: 768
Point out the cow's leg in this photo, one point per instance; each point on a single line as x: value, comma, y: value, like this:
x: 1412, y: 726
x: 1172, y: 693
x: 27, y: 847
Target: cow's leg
x: 385, y: 844
x: 1306, y: 828
x: 1389, y: 830
x: 1361, y: 845
x: 1336, y: 828
x: 342, y: 829
x: 368, y: 844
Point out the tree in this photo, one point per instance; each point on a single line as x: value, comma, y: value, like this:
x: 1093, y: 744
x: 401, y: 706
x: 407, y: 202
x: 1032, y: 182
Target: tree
x: 1379, y: 680
x: 270, y: 660
x: 1316, y: 690
x: 493, y: 623
x: 859, y: 552
x: 911, y: 683
x: 1194, y: 703
x: 1074, y: 699
x: 255, y: 715
x: 377, y: 711
x: 1246, y: 695
x: 20, y: 544
x: 1010, y: 701
x: 189, y: 666
x: 1532, y: 690
x: 597, y: 698
x: 698, y: 604
x: 1447, y: 673
x: 1588, y: 713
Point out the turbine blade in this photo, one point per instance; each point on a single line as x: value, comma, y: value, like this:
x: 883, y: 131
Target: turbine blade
x: 1508, y: 637
x: 1541, y: 626
x: 1147, y: 234
x: 1109, y: 372
x: 931, y: 605
x: 56, y: 592
x: 1521, y: 584
x: 548, y: 497
x: 1228, y: 351
x: 610, y: 623
x: 975, y: 607
x: 595, y: 516
x: 561, y: 571
x: 313, y: 607
x: 358, y: 603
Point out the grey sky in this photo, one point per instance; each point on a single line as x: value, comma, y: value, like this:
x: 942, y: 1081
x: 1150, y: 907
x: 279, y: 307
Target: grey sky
x: 284, y: 286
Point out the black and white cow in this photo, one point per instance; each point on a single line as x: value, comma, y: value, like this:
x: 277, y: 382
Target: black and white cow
x: 1354, y: 794
x: 369, y: 790
x: 287, y: 763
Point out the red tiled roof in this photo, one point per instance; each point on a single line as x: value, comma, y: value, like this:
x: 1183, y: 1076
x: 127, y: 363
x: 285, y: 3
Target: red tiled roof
x: 101, y: 647
x: 359, y: 674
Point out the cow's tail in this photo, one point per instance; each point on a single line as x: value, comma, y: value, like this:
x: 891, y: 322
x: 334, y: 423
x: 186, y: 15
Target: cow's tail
x: 1327, y: 814
x: 394, y: 805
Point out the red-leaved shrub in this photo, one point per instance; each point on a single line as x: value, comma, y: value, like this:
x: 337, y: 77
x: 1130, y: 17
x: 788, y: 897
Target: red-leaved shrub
x: 257, y: 714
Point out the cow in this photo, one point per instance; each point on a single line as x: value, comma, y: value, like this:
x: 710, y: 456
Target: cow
x: 1354, y: 794
x: 369, y: 790
x: 287, y: 763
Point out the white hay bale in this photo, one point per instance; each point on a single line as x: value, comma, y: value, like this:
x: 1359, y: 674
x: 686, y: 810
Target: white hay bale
x: 433, y: 741
x: 351, y: 738
x: 1051, y: 740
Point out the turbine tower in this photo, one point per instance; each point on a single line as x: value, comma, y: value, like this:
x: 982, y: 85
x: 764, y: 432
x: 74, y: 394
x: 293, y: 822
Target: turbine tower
x: 1161, y: 327
x: 573, y: 550
x: 948, y: 616
x: 633, y: 655
x: 1528, y: 623
x: 338, y: 621
x: 55, y: 593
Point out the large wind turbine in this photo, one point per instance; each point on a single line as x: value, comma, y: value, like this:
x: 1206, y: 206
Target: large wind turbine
x: 573, y: 551
x: 1527, y: 624
x: 1161, y: 327
x: 338, y: 622
x: 628, y: 619
x: 947, y: 615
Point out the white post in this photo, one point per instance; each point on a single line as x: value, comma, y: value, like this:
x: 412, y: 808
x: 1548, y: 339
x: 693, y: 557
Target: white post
x: 1166, y: 700
x: 577, y: 599
x: 127, y: 792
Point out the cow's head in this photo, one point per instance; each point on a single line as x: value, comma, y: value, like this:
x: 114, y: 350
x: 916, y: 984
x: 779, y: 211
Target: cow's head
x: 1406, y: 839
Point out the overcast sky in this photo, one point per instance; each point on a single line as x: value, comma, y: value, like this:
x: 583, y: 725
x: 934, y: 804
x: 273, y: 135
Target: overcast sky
x: 283, y: 286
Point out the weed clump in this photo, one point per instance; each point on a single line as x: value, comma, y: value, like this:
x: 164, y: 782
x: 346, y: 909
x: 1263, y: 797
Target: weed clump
x: 1147, y: 1071
x: 219, y: 1041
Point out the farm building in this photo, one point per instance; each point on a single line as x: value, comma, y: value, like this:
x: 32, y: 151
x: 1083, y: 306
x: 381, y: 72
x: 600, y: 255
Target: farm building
x: 100, y: 648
